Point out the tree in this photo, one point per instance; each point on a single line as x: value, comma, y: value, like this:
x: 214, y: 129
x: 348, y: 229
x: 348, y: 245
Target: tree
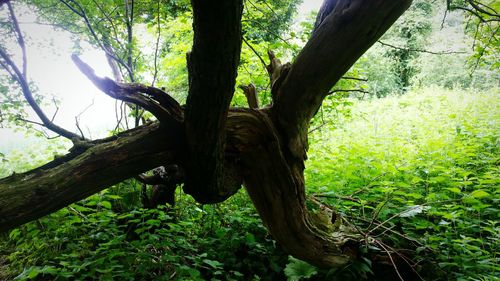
x: 218, y: 147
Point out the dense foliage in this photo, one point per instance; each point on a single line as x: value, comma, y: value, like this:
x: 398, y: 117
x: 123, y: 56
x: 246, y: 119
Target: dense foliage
x: 418, y: 171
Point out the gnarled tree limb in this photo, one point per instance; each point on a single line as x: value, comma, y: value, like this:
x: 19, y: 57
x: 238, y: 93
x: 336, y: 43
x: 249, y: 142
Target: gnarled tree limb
x: 28, y: 196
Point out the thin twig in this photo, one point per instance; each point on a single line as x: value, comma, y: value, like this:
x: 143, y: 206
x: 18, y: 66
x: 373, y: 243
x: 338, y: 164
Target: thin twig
x: 157, y: 46
x: 420, y: 50
x: 77, y: 118
x: 20, y: 38
x: 348, y: 90
x: 256, y: 53
x: 354, y: 78
x: 390, y: 257
x: 19, y: 76
x: 81, y: 12
x: 29, y: 121
x: 57, y: 109
x: 348, y: 198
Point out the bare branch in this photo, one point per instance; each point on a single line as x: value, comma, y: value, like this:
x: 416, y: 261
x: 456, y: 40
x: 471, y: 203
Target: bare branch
x: 155, y: 74
x: 255, y: 52
x: 420, y: 50
x: 81, y: 12
x: 354, y: 78
x: 348, y: 90
x: 55, y: 112
x: 20, y: 38
x: 251, y: 94
x: 159, y: 103
x: 476, y: 6
x: 77, y: 118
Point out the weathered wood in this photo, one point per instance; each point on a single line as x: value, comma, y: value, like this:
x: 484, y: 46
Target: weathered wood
x: 212, y: 66
x: 277, y: 191
x: 28, y: 196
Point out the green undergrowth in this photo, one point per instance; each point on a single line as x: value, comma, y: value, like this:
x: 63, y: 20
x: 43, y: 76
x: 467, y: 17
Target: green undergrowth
x: 99, y: 239
x: 420, y: 171
x: 418, y: 174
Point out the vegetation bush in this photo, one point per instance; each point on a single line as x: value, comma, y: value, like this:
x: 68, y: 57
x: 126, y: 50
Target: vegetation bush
x: 417, y: 172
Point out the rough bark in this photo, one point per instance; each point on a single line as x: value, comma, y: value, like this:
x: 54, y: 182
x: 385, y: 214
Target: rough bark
x: 277, y: 192
x: 28, y: 196
x: 342, y: 36
x: 212, y: 66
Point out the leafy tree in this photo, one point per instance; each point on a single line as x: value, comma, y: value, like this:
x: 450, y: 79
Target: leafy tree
x: 218, y: 147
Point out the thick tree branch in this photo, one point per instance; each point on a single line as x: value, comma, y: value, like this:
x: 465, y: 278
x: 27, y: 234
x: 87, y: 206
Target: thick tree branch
x: 212, y: 66
x: 343, y: 35
x: 160, y: 104
x: 28, y: 196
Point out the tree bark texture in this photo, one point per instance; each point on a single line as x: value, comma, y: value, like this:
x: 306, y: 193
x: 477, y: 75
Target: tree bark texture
x: 263, y: 148
x: 212, y: 66
x: 29, y: 196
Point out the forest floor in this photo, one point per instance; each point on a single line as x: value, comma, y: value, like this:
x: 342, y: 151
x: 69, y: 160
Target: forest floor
x: 417, y: 173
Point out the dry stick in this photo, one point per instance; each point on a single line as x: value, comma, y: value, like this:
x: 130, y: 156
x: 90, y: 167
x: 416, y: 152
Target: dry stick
x: 392, y: 231
x: 354, y: 78
x: 444, y: 18
x: 377, y: 212
x: 57, y: 109
x: 348, y: 90
x: 160, y: 104
x: 348, y: 198
x: 406, y: 259
x: 77, y: 118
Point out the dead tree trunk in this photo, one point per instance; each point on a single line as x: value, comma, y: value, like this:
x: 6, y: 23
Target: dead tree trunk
x: 222, y: 147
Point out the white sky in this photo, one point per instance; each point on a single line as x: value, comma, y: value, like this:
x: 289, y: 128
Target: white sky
x: 51, y: 68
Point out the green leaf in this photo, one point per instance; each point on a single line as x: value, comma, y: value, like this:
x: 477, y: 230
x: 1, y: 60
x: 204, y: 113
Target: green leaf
x: 414, y: 210
x: 212, y: 263
x: 454, y: 190
x: 296, y: 269
x: 106, y: 204
x: 480, y: 193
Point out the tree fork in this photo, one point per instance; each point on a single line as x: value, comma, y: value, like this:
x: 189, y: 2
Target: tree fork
x: 267, y: 147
